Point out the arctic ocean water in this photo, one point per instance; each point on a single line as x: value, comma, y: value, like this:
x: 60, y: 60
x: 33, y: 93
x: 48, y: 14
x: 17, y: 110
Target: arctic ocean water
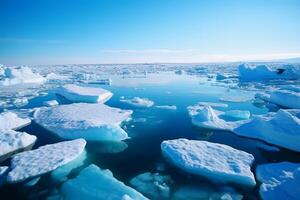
x: 149, y: 127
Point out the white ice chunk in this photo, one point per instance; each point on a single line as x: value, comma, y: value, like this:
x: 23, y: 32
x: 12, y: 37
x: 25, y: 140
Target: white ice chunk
x: 34, y: 163
x: 19, y: 102
x: 286, y: 98
x: 281, y: 129
x: 51, y: 103
x: 93, y: 122
x: 167, y: 107
x: 10, y: 120
x: 207, y: 117
x: 95, y: 183
x: 212, y: 104
x: 235, y: 99
x: 138, y: 102
x: 152, y: 185
x: 217, y: 162
x: 13, y: 76
x: 13, y: 141
x: 279, y: 180
x: 86, y: 94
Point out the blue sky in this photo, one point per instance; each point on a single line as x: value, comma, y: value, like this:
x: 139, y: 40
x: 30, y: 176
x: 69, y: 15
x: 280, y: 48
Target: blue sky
x: 134, y: 31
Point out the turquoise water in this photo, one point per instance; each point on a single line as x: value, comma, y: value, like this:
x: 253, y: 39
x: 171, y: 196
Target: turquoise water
x: 149, y: 127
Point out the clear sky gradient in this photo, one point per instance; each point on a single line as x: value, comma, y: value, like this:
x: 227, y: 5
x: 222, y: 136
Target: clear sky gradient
x: 135, y: 31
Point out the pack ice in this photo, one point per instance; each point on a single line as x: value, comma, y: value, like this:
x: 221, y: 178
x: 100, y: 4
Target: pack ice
x: 86, y: 94
x: 285, y: 98
x: 281, y: 129
x: 13, y: 141
x: 217, y: 162
x: 10, y: 120
x: 139, y: 102
x: 93, y: 122
x: 34, y: 163
x: 279, y: 180
x: 21, y: 75
x: 95, y: 183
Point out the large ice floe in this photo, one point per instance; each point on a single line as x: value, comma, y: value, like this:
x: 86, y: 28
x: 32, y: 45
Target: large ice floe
x: 21, y: 75
x: 138, y: 102
x: 263, y: 72
x: 10, y: 120
x: 279, y: 180
x: 207, y: 117
x: 86, y: 94
x: 153, y: 185
x: 285, y: 98
x: 281, y: 129
x: 34, y: 163
x: 95, y: 183
x: 13, y: 141
x: 93, y: 122
x: 217, y: 162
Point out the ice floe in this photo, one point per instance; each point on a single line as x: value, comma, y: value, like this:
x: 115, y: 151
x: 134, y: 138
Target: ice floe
x: 215, y: 161
x: 279, y: 180
x: 86, y: 94
x: 285, y: 98
x: 93, y: 122
x: 212, y: 104
x: 34, y: 163
x: 21, y: 75
x: 51, y: 103
x: 152, y: 185
x: 13, y: 141
x: 167, y: 107
x: 237, y: 114
x: 95, y: 183
x: 10, y: 120
x: 138, y: 102
x: 281, y: 129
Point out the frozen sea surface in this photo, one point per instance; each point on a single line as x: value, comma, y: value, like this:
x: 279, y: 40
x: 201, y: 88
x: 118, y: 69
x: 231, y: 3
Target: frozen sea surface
x: 172, y: 88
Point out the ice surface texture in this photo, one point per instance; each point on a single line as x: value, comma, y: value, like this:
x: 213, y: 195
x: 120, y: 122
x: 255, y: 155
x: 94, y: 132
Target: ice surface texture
x: 10, y: 120
x: 215, y: 161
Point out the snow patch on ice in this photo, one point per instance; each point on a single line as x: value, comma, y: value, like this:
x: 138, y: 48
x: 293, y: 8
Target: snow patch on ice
x: 10, y: 120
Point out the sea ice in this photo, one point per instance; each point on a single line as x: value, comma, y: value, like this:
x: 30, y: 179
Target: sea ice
x: 21, y: 75
x: 167, y: 107
x: 152, y: 185
x: 93, y: 122
x: 215, y: 161
x: 51, y: 103
x: 138, y: 102
x: 13, y: 141
x: 95, y: 183
x: 281, y: 129
x: 86, y: 94
x: 10, y: 120
x: 34, y: 163
x: 212, y: 104
x: 279, y: 180
x: 285, y: 98
x: 237, y: 114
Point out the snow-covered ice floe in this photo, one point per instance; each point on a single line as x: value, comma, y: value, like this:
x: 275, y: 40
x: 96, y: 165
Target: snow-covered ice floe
x: 212, y: 104
x: 34, y: 163
x: 263, y: 72
x: 138, y: 102
x: 95, y: 183
x: 167, y: 107
x: 281, y: 129
x: 207, y: 117
x: 86, y: 94
x: 10, y: 120
x: 285, y: 98
x: 14, y: 141
x: 152, y: 185
x: 215, y: 161
x: 93, y: 122
x: 21, y: 75
x: 279, y: 180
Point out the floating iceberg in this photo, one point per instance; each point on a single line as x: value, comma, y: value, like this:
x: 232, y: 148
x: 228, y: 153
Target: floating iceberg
x: 279, y: 180
x: 13, y: 76
x: 95, y: 183
x: 78, y: 93
x: 152, y: 185
x: 51, y: 103
x: 217, y: 162
x: 138, y: 102
x: 10, y: 120
x: 281, y: 129
x: 34, y: 163
x: 288, y: 99
x: 3, y: 173
x: 263, y: 72
x: 13, y: 141
x: 207, y: 117
x: 93, y: 122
